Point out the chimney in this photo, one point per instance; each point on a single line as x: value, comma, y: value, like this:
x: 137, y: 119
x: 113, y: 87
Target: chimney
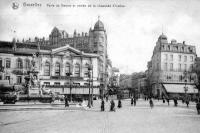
x: 183, y: 42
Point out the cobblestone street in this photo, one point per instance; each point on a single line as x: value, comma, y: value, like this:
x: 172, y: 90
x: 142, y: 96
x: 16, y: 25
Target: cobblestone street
x: 161, y: 119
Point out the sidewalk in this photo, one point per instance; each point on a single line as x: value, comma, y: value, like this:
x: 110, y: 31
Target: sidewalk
x: 25, y: 106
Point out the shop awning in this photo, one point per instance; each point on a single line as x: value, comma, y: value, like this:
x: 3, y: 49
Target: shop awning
x: 180, y: 88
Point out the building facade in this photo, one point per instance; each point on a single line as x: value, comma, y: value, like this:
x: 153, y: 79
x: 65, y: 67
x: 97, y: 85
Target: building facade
x: 170, y: 68
x: 57, y: 56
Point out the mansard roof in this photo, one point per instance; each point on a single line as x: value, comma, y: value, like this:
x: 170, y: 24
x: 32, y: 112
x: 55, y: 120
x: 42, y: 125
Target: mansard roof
x: 30, y: 48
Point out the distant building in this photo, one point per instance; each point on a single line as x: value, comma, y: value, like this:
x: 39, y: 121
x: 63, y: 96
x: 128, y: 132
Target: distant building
x: 170, y: 68
x: 125, y: 85
x: 125, y: 81
x: 139, y: 84
x: 115, y: 77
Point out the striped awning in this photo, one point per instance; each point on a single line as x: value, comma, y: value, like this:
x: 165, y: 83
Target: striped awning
x: 180, y: 88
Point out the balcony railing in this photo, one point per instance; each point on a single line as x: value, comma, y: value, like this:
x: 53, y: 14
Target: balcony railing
x: 66, y: 77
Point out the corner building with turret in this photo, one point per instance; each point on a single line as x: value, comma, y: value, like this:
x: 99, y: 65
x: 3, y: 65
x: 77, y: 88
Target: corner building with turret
x: 170, y: 70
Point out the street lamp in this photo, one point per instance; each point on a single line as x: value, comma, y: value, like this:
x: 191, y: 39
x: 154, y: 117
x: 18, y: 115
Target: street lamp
x: 185, y: 88
x: 90, y: 100
x: 70, y: 87
x: 91, y: 67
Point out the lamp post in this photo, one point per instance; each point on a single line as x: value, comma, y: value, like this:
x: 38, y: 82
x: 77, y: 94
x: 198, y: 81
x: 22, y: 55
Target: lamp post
x: 70, y: 87
x: 92, y: 85
x: 185, y: 88
x: 89, y: 97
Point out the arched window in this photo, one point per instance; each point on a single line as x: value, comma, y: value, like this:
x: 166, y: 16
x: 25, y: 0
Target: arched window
x: 57, y: 69
x: 86, y: 67
x: 19, y: 63
x: 77, y: 70
x: 47, y: 69
x: 67, y: 68
x: 27, y: 65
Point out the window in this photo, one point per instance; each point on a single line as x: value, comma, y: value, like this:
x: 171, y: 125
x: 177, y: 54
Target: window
x: 179, y: 57
x: 57, y: 83
x: 191, y: 66
x: 8, y: 62
x: 8, y: 78
x: 19, y: 63
x: 86, y: 84
x: 171, y: 66
x: 57, y: 69
x: 77, y: 70
x: 191, y: 58
x: 171, y: 57
x: 47, y: 69
x: 67, y: 83
x: 168, y: 47
x: 166, y: 56
x: 76, y: 84
x: 191, y: 78
x: 165, y: 67
x: 47, y: 83
x: 180, y: 77
x: 27, y: 64
x: 86, y: 72
x: 179, y: 67
x: 67, y: 68
x: 185, y: 58
x: 19, y: 79
x: 185, y: 67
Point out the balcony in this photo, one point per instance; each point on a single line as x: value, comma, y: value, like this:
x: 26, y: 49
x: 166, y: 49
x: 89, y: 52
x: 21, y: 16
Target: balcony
x: 66, y: 78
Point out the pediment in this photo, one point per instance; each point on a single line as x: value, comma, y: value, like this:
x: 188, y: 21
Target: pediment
x: 66, y: 51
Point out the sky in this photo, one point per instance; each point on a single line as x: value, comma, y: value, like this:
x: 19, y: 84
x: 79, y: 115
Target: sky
x: 132, y: 30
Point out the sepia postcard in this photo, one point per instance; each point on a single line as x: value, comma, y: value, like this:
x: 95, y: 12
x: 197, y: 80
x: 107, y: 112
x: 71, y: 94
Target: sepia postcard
x: 99, y: 66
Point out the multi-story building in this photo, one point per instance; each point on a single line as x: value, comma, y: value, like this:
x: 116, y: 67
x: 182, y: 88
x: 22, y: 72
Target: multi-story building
x: 58, y: 55
x: 170, y: 67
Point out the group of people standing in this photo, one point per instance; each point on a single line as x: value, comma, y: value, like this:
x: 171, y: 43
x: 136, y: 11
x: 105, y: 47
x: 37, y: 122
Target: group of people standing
x: 112, y: 104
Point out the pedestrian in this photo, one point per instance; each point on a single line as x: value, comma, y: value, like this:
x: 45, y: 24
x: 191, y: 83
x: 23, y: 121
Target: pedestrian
x: 175, y: 102
x: 106, y: 98
x: 182, y: 100
x: 119, y: 104
x: 151, y: 103
x: 102, y: 105
x: 112, y: 105
x: 131, y: 101
x: 134, y: 101
x: 163, y: 100
x: 198, y: 107
x: 66, y: 102
x: 168, y: 101
x: 187, y: 102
